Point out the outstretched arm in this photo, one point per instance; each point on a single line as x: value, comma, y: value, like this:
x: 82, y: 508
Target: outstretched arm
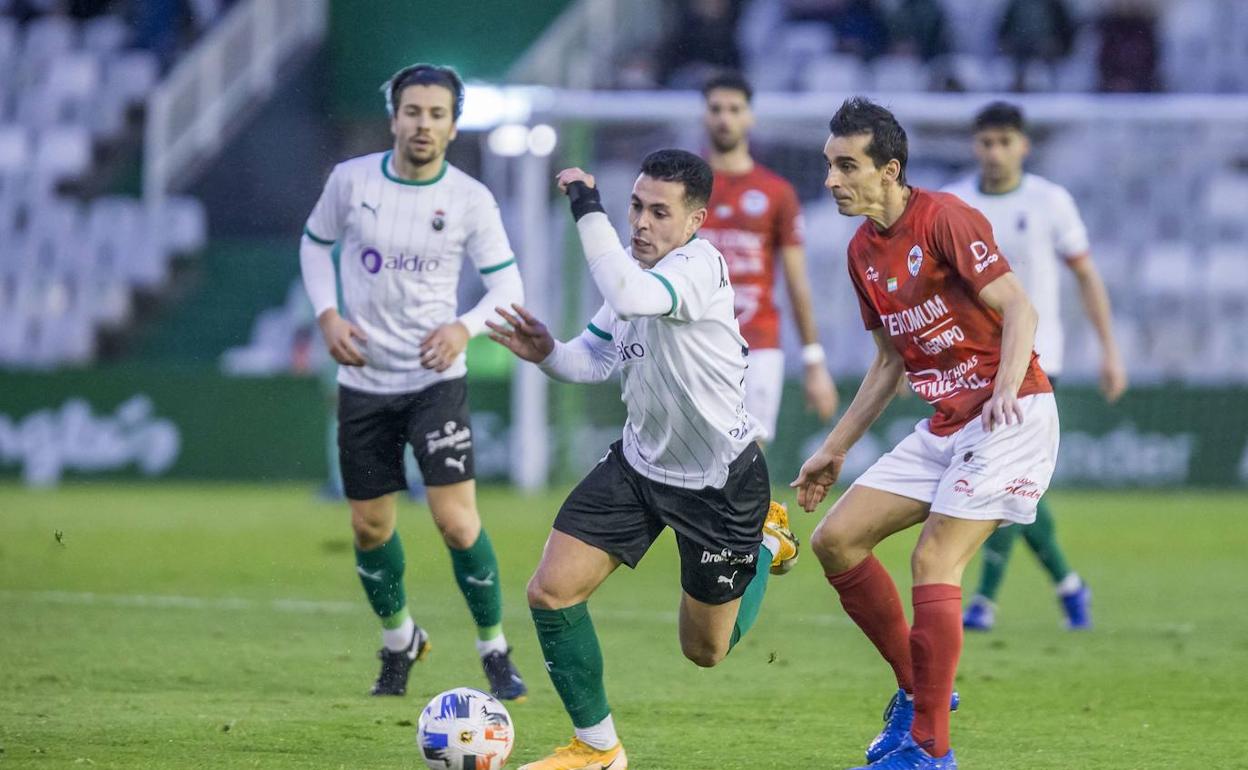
x: 630, y: 291
x: 587, y: 358
x: 820, y: 472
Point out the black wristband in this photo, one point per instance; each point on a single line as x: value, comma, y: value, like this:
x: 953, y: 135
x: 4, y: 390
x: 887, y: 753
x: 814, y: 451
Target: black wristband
x: 584, y: 200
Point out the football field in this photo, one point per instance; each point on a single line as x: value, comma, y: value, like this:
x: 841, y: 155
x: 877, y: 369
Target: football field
x: 224, y: 626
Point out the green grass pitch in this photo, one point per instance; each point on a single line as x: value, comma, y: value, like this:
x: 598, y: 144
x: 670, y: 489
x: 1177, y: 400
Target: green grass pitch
x: 223, y: 626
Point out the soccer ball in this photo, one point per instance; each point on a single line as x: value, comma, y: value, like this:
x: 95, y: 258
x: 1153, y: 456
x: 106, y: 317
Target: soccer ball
x: 465, y: 729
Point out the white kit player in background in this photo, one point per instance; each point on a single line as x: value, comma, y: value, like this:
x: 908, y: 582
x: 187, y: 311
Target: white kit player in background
x: 1037, y: 225
x: 405, y: 220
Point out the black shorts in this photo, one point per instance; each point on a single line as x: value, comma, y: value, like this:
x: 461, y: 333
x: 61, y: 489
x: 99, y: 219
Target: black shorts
x: 718, y: 531
x: 374, y: 427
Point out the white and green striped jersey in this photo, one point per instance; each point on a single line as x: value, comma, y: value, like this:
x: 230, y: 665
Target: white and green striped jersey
x: 1038, y: 228
x: 683, y: 373
x: 402, y: 246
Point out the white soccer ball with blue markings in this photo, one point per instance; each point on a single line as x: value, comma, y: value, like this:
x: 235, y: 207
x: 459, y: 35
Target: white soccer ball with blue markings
x: 465, y: 729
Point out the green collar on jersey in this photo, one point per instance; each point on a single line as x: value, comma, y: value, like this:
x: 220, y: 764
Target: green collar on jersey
x: 979, y: 185
x: 385, y: 169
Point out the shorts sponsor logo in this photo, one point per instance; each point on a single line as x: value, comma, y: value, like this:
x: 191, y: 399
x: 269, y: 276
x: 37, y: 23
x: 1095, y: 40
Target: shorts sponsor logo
x: 914, y: 260
x: 726, y: 556
x: 727, y: 579
x: 452, y: 436
x: 963, y: 487
x: 983, y: 260
x: 458, y: 463
x: 374, y: 262
x: 1025, y: 487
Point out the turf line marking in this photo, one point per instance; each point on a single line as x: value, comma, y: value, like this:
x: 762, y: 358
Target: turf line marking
x: 308, y: 606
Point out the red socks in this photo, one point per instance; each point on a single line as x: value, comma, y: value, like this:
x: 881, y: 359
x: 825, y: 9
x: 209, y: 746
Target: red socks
x: 935, y: 646
x: 870, y: 598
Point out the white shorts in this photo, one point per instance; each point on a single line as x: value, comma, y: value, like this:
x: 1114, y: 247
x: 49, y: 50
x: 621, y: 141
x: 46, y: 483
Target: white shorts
x: 764, y: 382
x: 971, y: 474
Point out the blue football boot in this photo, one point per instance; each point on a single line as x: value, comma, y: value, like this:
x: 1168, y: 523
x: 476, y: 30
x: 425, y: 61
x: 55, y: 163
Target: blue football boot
x: 1078, y: 609
x: 898, y: 717
x: 980, y: 615
x: 909, y: 756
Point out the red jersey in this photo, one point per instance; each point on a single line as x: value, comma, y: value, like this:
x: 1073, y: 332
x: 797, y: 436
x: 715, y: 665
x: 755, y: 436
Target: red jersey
x: 920, y: 280
x: 749, y: 217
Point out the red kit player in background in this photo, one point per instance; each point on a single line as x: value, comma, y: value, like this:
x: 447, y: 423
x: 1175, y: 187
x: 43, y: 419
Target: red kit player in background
x: 946, y: 312
x: 752, y: 217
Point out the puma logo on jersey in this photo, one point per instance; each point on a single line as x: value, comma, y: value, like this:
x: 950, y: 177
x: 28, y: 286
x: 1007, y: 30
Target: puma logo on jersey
x: 486, y: 581
x: 460, y: 463
x: 728, y: 580
x: 373, y: 209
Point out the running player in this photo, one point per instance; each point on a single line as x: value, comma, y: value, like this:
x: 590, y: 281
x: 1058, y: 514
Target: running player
x: 688, y: 458
x: 754, y: 214
x: 405, y: 220
x: 1035, y: 221
x: 948, y: 314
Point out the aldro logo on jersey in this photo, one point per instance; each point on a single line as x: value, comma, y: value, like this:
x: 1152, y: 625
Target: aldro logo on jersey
x: 374, y: 262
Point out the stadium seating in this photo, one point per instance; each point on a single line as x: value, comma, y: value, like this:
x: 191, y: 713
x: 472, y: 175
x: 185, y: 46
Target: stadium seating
x: 70, y: 268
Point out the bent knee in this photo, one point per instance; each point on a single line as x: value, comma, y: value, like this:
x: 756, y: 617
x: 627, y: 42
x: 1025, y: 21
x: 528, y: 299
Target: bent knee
x: 836, y: 546
x: 543, y: 596
x: 370, y: 534
x: 704, y: 654
x: 460, y: 536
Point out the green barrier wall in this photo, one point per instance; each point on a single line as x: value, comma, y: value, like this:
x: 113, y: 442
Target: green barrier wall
x: 190, y: 422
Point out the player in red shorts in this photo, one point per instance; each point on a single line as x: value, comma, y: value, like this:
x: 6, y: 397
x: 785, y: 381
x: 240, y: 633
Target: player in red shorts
x: 949, y: 315
x: 753, y: 215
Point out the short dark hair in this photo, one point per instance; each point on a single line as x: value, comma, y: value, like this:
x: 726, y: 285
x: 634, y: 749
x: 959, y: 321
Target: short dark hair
x: 730, y: 80
x: 424, y: 75
x: 860, y: 115
x: 684, y: 167
x: 1000, y: 115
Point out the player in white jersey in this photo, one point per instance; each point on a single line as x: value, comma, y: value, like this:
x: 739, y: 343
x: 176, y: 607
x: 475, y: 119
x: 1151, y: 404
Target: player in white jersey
x: 404, y: 221
x: 1037, y: 224
x: 688, y: 457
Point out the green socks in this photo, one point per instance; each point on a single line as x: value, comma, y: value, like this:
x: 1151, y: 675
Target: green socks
x: 381, y: 573
x: 574, y: 661
x: 1042, y: 537
x: 476, y: 572
x: 752, y: 599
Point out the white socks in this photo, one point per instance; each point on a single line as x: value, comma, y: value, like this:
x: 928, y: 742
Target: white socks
x: 771, y: 543
x: 601, y: 736
x: 1070, y: 584
x: 497, y: 644
x: 398, y: 639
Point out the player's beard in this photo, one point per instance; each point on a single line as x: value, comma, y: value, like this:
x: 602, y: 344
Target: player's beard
x: 419, y: 157
x: 725, y: 143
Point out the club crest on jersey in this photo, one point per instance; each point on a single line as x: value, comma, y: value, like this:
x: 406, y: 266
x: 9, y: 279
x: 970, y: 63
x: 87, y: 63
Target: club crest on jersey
x: 439, y: 220
x: 914, y: 260
x: 754, y: 202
